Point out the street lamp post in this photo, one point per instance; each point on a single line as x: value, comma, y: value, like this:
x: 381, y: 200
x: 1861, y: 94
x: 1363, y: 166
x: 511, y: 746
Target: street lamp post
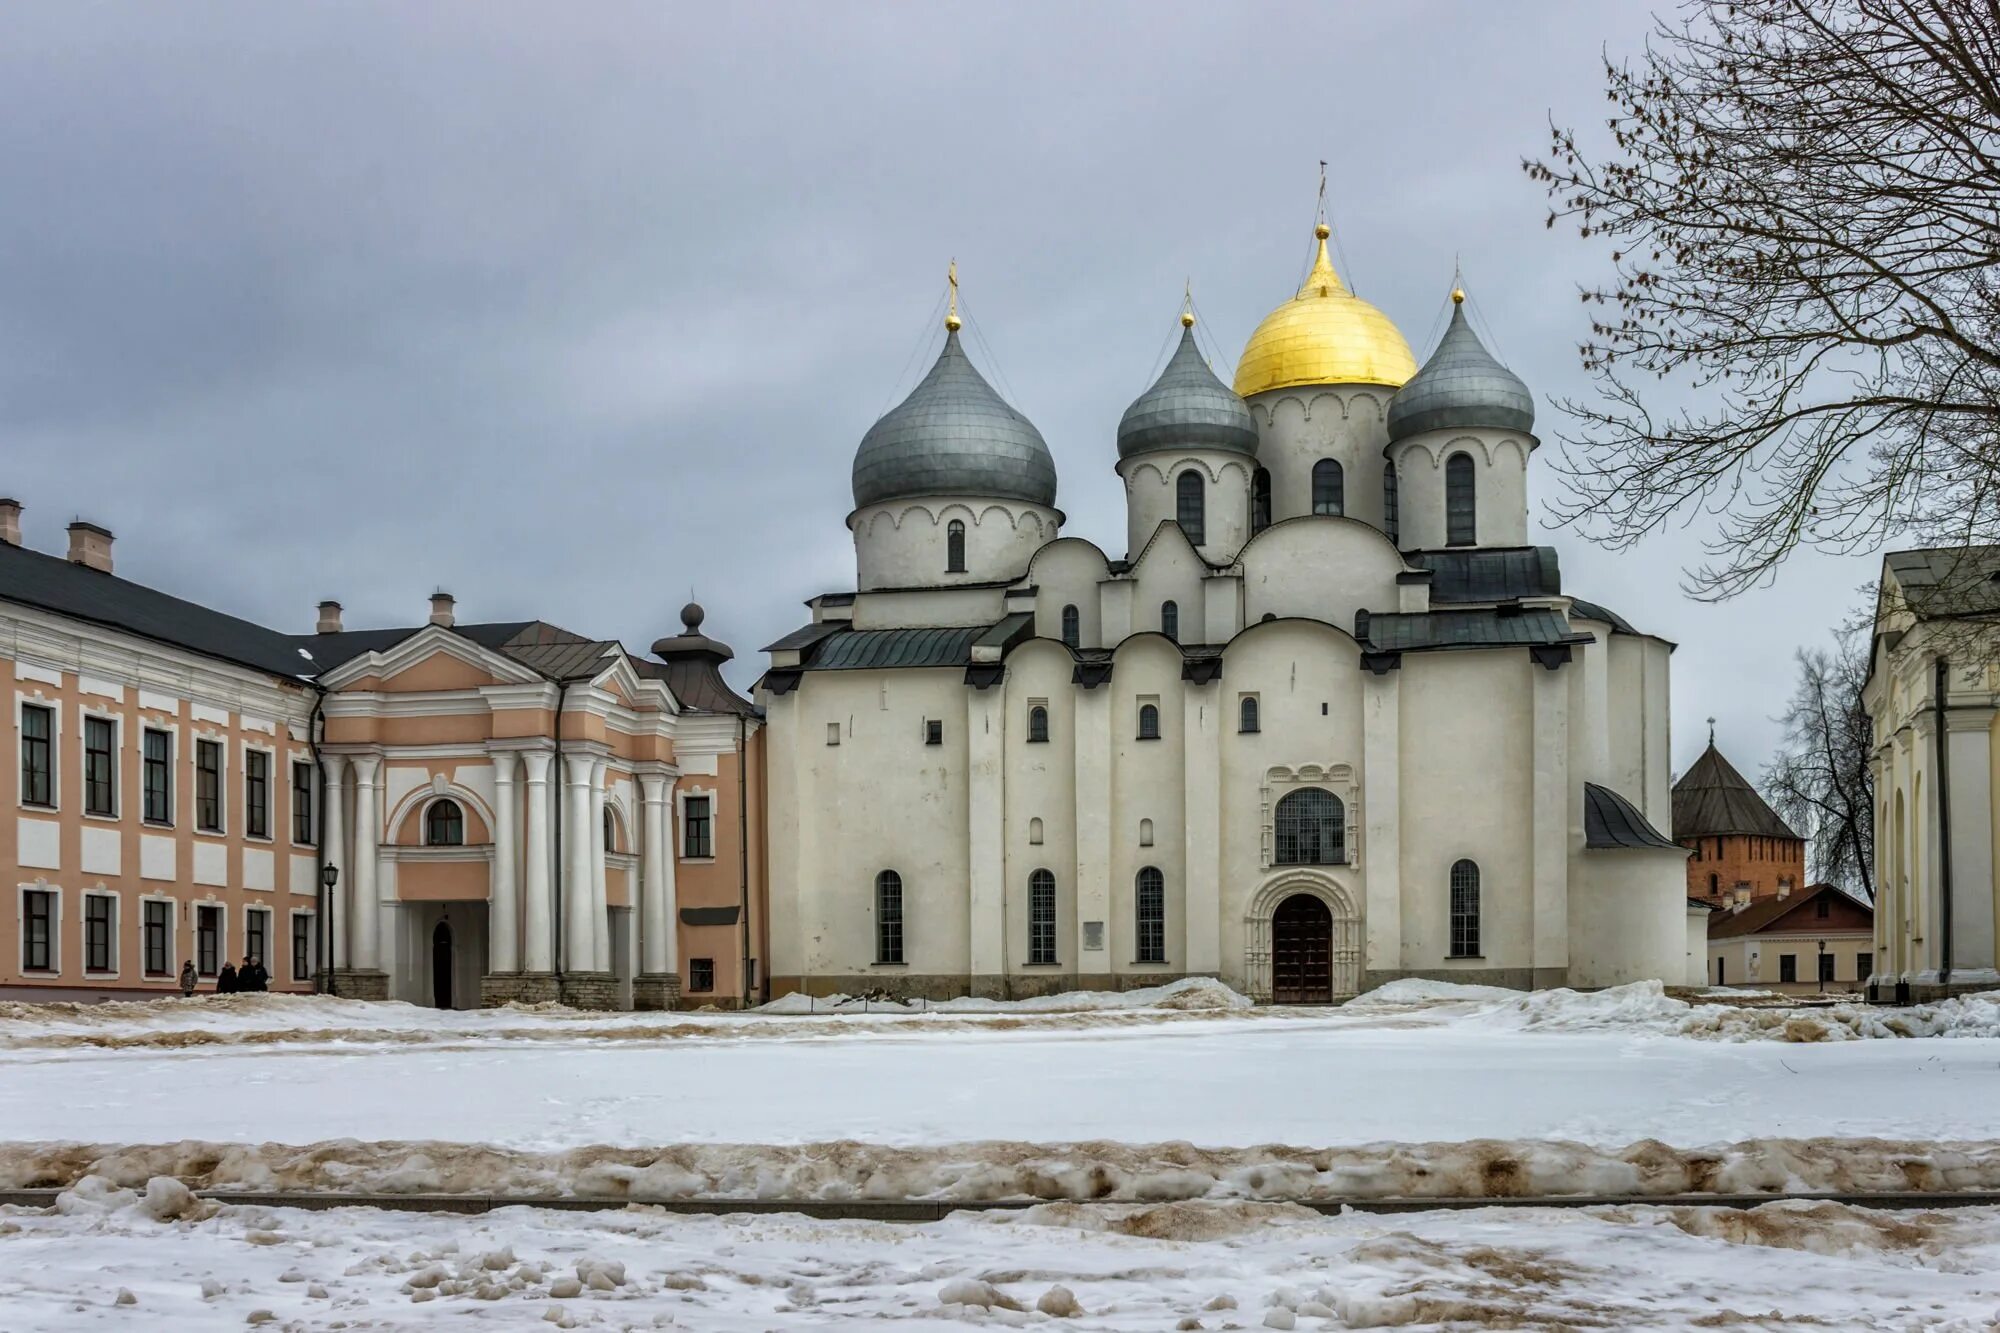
x: 1822, y: 967
x: 329, y: 875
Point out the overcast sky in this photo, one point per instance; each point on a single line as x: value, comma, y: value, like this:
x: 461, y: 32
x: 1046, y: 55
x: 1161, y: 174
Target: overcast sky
x: 572, y: 309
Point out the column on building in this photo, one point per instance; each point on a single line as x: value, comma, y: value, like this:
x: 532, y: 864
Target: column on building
x: 1202, y: 720
x: 365, y: 913
x: 1094, y: 963
x: 1969, y: 762
x: 1554, y: 806
x: 986, y: 911
x: 503, y: 936
x: 333, y: 843
x: 600, y: 897
x: 538, y: 915
x: 579, y: 937
x: 1921, y: 785
x: 659, y: 952
x: 1382, y: 823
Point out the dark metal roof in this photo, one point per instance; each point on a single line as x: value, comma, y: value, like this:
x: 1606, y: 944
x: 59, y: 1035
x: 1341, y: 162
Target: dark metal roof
x: 1415, y: 631
x: 1008, y: 631
x: 1948, y: 581
x: 806, y: 636
x: 63, y: 587
x: 853, y: 649
x: 1187, y: 408
x: 1713, y: 800
x: 1462, y: 385
x: 1611, y: 822
x: 1578, y: 608
x: 953, y: 436
x: 1767, y: 912
x: 1490, y: 575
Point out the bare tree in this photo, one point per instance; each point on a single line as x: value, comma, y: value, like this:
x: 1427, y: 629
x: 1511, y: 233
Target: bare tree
x: 1819, y: 782
x: 1802, y: 200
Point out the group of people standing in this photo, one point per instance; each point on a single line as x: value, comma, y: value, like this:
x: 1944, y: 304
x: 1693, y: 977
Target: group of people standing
x: 231, y: 979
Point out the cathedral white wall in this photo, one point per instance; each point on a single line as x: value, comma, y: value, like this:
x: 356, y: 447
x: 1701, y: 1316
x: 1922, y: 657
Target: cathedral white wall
x: 1152, y: 497
x: 1170, y: 570
x: 1323, y: 568
x: 1041, y: 785
x: 1637, y: 723
x: 1628, y: 917
x: 1500, y: 495
x: 903, y: 543
x: 1297, y: 427
x: 1067, y: 572
x: 1146, y: 784
x: 928, y: 607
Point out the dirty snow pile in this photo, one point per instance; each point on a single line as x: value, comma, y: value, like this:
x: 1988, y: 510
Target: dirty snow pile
x: 109, y: 1259
x: 1189, y: 993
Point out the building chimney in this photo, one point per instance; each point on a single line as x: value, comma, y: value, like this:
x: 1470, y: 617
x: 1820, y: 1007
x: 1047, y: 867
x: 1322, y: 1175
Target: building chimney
x: 10, y: 522
x: 329, y: 618
x: 441, y: 604
x: 90, y: 545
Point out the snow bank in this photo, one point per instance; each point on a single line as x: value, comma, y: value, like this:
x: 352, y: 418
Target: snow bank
x: 1189, y: 993
x: 1095, y: 1171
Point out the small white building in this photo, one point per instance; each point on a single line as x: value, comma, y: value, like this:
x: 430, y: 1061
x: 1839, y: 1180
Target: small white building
x: 1327, y: 720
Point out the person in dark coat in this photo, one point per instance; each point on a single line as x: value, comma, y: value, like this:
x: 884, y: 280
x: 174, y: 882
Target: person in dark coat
x: 188, y: 978
x: 225, y: 980
x: 252, y: 976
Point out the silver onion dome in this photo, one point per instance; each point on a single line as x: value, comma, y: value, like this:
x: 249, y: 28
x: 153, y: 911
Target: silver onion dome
x: 953, y: 436
x: 1187, y: 408
x: 1462, y: 385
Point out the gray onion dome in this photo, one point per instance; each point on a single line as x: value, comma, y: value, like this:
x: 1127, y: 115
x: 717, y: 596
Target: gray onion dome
x: 1187, y: 408
x: 953, y: 436
x: 1462, y: 385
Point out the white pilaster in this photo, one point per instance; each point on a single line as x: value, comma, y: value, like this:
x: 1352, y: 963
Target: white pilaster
x: 579, y: 937
x: 1093, y: 828
x: 600, y: 898
x: 365, y: 915
x: 1554, y: 806
x: 333, y: 840
x: 503, y: 914
x: 1382, y: 820
x: 1202, y: 720
x: 539, y: 954
x: 658, y: 955
x: 1970, y: 737
x: 986, y: 914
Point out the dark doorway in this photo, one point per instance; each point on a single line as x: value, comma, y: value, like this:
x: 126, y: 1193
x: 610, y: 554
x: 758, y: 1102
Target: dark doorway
x: 441, y: 965
x: 1302, y: 952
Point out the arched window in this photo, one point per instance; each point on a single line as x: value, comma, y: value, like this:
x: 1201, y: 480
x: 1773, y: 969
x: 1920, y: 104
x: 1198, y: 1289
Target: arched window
x: 954, y: 548
x: 1190, y: 506
x: 1392, y: 520
x: 1246, y: 714
x: 1038, y: 723
x: 1170, y: 620
x: 1072, y: 633
x: 444, y: 825
x: 1714, y: 885
x: 1035, y: 832
x: 1145, y: 833
x: 1329, y: 487
x: 1041, y: 917
x: 1460, y: 508
x: 888, y: 917
x: 1464, y: 910
x: 1260, y: 499
x: 1311, y: 829
x: 610, y: 830
x: 1149, y: 722
x: 1150, y: 908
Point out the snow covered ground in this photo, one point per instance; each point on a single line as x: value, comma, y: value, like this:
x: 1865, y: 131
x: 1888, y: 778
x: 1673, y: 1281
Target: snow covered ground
x: 1185, y: 1266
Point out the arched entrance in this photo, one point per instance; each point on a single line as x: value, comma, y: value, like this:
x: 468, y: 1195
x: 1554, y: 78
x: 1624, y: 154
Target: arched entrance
x: 1302, y: 951
x: 441, y: 968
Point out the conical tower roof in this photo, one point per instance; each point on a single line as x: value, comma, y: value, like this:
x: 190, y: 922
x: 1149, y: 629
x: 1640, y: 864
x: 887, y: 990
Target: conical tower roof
x: 954, y: 435
x: 1187, y: 408
x: 1462, y: 385
x: 1713, y: 800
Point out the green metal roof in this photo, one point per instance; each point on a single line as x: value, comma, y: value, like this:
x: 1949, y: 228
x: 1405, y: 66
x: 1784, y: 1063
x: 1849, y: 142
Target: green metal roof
x: 1415, y: 631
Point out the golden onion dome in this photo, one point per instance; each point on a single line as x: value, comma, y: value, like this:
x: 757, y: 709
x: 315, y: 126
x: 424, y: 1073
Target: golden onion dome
x: 1324, y: 335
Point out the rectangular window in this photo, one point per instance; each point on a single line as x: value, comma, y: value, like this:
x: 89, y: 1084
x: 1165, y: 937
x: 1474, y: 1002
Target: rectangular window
x: 208, y: 786
x: 1788, y: 967
x: 1864, y: 964
x: 833, y: 733
x: 100, y: 771
x: 701, y: 974
x: 257, y: 793
x: 1826, y: 967
x: 100, y: 928
x: 1152, y: 916
x: 208, y: 940
x: 1720, y: 973
x: 37, y: 755
x: 256, y: 934
x: 157, y: 777
x: 159, y: 921
x: 1042, y: 918
x: 933, y: 733
x: 302, y: 803
x: 302, y: 950
x: 38, y: 930
x: 697, y: 837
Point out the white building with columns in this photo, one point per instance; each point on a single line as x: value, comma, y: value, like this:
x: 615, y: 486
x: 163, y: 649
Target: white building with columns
x: 1933, y: 697
x: 1328, y: 719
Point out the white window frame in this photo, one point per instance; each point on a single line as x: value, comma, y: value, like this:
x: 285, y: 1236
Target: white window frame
x: 312, y: 946
x: 270, y: 793
x: 222, y: 937
x: 681, y: 822
x: 174, y: 960
x: 249, y: 909
x: 83, y: 776
x: 22, y: 700
x: 83, y: 933
x: 221, y: 742
x: 55, y: 929
x: 172, y: 733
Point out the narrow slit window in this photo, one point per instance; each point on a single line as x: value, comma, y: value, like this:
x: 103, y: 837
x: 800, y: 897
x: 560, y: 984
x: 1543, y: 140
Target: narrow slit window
x: 1170, y: 620
x: 1071, y: 628
x: 1191, y: 506
x: 888, y: 917
x: 1392, y: 520
x: 1150, y: 903
x: 1329, y: 487
x: 1149, y: 722
x: 1038, y: 724
x: 1460, y: 502
x: 954, y: 547
x: 1042, y: 918
x: 1464, y: 910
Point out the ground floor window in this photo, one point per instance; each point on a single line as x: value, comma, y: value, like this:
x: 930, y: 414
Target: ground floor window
x: 701, y: 974
x: 257, y: 935
x: 1826, y: 967
x: 1719, y: 979
x: 208, y: 940
x: 1151, y: 898
x: 1042, y: 917
x: 1864, y: 963
x: 888, y: 917
x: 1464, y: 910
x: 38, y: 930
x: 157, y: 924
x: 302, y: 940
x: 1788, y: 967
x: 100, y: 928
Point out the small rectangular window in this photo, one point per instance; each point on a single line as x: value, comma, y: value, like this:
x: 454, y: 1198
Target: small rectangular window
x: 696, y: 838
x: 833, y: 733
x: 257, y: 793
x: 157, y: 777
x: 100, y: 766
x: 256, y: 935
x: 208, y: 786
x: 701, y: 975
x: 302, y: 968
x: 1788, y: 967
x: 208, y: 940
x: 100, y: 928
x: 37, y: 755
x: 1093, y: 936
x: 38, y: 926
x: 158, y: 918
x: 1864, y: 964
x: 302, y: 803
x: 933, y: 733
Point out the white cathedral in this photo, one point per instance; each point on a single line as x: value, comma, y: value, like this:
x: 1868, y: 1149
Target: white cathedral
x: 1327, y: 721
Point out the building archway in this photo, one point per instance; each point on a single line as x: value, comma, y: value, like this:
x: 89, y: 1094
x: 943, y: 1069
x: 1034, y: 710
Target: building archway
x: 441, y: 965
x: 1340, y: 928
x: 1302, y: 951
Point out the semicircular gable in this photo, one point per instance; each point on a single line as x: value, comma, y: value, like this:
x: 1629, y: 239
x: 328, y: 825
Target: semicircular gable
x: 1320, y: 567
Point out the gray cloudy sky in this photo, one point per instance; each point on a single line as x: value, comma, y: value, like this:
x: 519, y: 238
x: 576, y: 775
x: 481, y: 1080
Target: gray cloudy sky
x: 569, y: 309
